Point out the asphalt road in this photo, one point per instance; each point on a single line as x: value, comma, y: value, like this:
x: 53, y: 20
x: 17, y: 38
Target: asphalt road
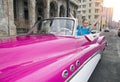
x: 108, y: 69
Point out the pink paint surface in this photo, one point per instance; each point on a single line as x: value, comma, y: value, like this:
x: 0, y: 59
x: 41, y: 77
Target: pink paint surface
x: 42, y: 58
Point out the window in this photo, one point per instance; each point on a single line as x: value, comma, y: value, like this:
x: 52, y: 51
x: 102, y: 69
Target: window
x: 97, y: 4
x: 89, y: 4
x: 89, y: 10
x: 79, y: 12
x: 84, y: 0
x: 26, y: 15
x: 83, y: 17
x: 89, y: 16
x: 62, y: 11
x: 14, y: 5
x: 80, y: 6
x: 83, y: 11
x: 96, y: 16
x: 96, y: 10
x: 84, y: 6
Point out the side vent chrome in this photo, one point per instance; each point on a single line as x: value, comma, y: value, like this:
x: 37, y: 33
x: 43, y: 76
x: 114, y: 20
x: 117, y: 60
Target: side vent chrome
x: 77, y: 63
x: 64, y: 73
x: 72, y: 68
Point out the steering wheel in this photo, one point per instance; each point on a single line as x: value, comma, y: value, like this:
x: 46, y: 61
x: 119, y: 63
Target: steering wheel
x: 65, y: 29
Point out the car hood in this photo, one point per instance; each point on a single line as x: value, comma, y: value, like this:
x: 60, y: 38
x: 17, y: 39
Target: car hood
x: 31, y: 52
x: 15, y: 41
x: 33, y: 57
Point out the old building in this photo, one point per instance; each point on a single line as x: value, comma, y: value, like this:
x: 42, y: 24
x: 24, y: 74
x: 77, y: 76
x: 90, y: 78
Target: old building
x: 18, y: 16
x: 7, y: 25
x: 90, y: 9
x: 107, y: 16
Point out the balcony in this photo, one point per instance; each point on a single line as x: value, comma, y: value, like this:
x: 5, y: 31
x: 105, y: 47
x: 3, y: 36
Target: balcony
x: 99, y: 1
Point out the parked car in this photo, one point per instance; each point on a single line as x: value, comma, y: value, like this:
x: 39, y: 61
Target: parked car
x: 107, y: 30
x: 52, y: 54
x: 94, y: 31
x: 119, y: 32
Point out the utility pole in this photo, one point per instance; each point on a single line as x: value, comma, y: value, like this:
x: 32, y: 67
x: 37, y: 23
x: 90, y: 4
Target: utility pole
x: 68, y: 9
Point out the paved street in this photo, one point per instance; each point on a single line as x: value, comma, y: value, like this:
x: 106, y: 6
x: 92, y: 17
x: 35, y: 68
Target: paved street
x: 108, y: 69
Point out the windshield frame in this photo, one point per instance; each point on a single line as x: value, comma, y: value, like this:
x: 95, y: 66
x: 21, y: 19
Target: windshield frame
x: 61, y: 18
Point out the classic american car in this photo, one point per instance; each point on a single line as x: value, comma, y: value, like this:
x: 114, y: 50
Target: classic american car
x: 54, y: 53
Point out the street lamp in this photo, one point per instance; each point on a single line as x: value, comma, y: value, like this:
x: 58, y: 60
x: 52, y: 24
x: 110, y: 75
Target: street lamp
x: 68, y: 9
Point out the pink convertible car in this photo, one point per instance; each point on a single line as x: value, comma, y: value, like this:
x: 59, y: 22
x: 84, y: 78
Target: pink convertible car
x: 50, y: 52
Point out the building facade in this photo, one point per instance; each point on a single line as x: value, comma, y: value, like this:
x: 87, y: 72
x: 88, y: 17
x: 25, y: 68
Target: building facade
x: 107, y: 16
x: 18, y: 16
x: 90, y: 9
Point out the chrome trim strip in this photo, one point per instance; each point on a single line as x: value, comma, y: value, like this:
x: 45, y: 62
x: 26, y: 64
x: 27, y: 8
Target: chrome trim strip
x: 81, y: 67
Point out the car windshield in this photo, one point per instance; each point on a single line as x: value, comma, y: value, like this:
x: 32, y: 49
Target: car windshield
x: 56, y: 26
